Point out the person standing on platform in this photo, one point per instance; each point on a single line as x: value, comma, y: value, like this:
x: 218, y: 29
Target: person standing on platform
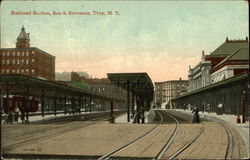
x: 10, y: 117
x: 208, y: 108
x: 22, y: 116
x: 16, y: 116
x: 196, y: 118
x: 220, y: 109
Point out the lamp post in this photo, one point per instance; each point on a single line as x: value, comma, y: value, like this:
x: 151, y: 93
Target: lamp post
x: 243, y: 106
x: 112, y: 105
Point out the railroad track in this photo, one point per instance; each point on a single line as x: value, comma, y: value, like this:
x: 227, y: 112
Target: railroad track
x: 64, y: 129
x: 165, y: 147
x: 180, y: 150
x: 109, y: 155
x: 229, y: 151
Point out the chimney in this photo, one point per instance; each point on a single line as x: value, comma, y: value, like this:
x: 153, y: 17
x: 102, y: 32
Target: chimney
x: 247, y: 39
x: 180, y: 78
x: 227, y: 39
x: 203, y: 54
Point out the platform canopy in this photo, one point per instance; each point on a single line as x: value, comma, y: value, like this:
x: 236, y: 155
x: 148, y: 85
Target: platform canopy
x: 17, y: 84
x: 139, y: 84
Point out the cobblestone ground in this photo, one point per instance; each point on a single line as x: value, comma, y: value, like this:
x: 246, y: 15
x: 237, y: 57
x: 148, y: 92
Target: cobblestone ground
x: 95, y: 139
x: 185, y: 134
x: 212, y: 144
x: 150, y: 145
x: 99, y: 138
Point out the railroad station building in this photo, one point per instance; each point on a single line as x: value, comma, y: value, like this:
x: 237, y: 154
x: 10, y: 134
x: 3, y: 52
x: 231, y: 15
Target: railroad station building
x: 167, y: 90
x: 228, y: 60
x: 95, y: 85
x: 27, y: 60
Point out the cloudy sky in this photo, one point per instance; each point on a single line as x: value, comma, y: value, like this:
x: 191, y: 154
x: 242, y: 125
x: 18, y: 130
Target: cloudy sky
x: 161, y: 38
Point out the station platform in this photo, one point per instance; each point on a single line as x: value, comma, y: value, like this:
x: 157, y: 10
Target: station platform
x: 37, y: 117
x: 123, y: 118
x: 242, y: 128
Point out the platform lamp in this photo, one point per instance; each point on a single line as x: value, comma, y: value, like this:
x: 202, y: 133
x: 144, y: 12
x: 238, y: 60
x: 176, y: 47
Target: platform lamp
x: 243, y: 106
x: 112, y: 105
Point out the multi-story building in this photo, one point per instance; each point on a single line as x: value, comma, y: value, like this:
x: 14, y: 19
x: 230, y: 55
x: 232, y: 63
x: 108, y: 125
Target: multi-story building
x: 96, y: 85
x: 237, y: 62
x: 104, y: 86
x: 167, y: 90
x: 27, y: 60
x: 67, y: 76
x: 199, y: 76
x: 229, y: 59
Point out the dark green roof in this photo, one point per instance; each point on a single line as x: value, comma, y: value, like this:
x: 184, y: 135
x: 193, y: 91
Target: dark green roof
x: 229, y: 47
x: 141, y: 83
x: 20, y: 82
x: 241, y: 54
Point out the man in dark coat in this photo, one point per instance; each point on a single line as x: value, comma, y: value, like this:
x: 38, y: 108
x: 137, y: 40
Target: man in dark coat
x: 16, y: 116
x: 196, y: 118
x: 22, y: 116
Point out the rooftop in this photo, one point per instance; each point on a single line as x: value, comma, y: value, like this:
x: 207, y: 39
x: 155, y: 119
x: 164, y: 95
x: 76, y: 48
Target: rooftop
x: 230, y: 46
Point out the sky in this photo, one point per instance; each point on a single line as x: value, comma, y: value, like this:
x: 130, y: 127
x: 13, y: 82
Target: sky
x: 161, y: 38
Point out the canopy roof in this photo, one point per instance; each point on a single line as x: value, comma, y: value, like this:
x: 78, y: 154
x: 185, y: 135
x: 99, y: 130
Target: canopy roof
x: 139, y: 84
x: 18, y: 85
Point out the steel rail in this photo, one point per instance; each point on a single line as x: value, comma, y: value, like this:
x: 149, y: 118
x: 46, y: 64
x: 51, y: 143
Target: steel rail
x: 108, y: 155
x: 166, y: 146
x: 70, y: 128
x: 229, y: 151
x: 188, y: 144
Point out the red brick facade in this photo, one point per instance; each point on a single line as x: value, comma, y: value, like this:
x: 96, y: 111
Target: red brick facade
x: 27, y: 60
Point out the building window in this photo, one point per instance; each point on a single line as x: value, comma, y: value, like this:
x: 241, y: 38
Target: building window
x: 7, y: 61
x: 3, y: 54
x: 18, y: 62
x: 27, y: 53
x: 22, y: 70
x: 23, y: 53
x: 18, y: 54
x: 33, y: 71
x: 7, y: 70
x: 103, y: 89
x: 27, y: 61
x: 17, y: 71
x: 3, y: 61
x: 33, y: 60
x: 8, y: 54
x: 22, y: 61
x: 33, y: 52
x: 13, y: 61
x: 13, y: 70
x: 27, y: 70
x: 3, y: 70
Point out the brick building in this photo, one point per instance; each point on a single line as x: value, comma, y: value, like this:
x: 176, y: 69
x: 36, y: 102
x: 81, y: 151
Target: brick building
x: 165, y: 91
x: 229, y: 59
x: 27, y: 60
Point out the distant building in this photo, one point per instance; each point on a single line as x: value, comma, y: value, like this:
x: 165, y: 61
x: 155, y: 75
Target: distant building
x: 236, y: 62
x: 167, y: 90
x: 71, y: 76
x: 199, y: 76
x: 228, y: 60
x: 104, y: 86
x: 27, y: 60
x: 96, y: 85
